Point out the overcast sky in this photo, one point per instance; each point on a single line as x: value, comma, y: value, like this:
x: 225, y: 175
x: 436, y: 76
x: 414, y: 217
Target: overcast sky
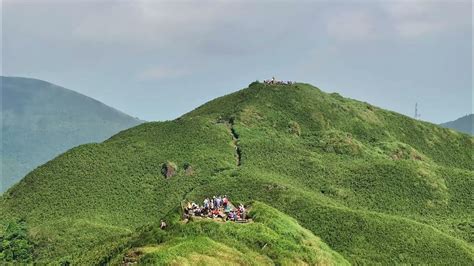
x: 157, y: 60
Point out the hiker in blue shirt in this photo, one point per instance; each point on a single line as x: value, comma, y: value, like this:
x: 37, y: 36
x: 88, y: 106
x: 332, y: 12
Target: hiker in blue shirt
x: 218, y: 202
x: 206, y: 203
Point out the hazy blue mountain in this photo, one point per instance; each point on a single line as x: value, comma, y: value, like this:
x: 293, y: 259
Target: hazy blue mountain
x: 41, y: 120
x: 464, y: 124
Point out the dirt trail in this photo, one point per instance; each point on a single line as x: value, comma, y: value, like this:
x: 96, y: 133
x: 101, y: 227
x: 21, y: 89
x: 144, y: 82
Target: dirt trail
x: 235, y: 141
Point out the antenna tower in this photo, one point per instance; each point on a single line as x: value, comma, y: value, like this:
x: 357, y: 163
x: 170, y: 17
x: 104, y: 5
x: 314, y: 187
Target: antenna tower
x: 417, y: 115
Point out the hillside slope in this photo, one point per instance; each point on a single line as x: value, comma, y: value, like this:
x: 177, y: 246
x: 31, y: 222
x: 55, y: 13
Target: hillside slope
x: 270, y: 238
x: 41, y: 120
x: 463, y: 124
x: 375, y: 186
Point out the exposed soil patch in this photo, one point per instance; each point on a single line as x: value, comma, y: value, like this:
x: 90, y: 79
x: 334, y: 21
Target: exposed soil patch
x: 235, y: 141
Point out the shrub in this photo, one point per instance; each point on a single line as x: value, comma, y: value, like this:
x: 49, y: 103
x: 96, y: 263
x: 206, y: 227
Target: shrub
x: 169, y: 169
x: 14, y: 243
x: 188, y: 169
x: 254, y: 83
x: 400, y: 151
x: 340, y: 143
x: 294, y: 128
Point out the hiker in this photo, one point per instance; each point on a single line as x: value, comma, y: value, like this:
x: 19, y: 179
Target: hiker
x: 198, y: 212
x: 225, y: 201
x: 204, y: 211
x: 218, y: 202
x: 227, y: 208
x: 235, y: 216
x: 242, y: 211
x: 216, y: 213
x: 162, y: 225
x: 206, y: 203
x: 186, y: 216
x: 230, y: 216
x: 215, y: 207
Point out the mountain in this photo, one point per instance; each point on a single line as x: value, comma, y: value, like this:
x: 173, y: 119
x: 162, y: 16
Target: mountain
x: 463, y: 124
x: 41, y: 120
x: 328, y: 180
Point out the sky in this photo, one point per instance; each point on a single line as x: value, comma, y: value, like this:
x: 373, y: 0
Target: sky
x: 157, y: 60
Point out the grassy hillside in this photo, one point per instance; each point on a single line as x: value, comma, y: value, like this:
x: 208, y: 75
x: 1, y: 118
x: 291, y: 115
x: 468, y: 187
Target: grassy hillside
x: 463, y: 124
x: 41, y: 120
x: 375, y: 186
x: 270, y: 238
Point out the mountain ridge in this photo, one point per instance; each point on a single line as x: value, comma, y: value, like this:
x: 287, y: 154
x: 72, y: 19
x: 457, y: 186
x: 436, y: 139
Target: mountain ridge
x: 463, y: 124
x: 374, y: 185
x: 40, y: 120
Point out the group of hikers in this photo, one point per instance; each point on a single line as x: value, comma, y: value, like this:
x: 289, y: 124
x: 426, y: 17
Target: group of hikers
x: 273, y: 81
x: 218, y: 207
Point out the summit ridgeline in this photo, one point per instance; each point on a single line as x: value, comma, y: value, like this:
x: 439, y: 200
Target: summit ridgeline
x: 330, y: 180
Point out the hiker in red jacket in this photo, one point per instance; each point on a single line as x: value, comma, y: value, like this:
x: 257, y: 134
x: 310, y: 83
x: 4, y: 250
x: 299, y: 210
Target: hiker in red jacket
x: 225, y: 201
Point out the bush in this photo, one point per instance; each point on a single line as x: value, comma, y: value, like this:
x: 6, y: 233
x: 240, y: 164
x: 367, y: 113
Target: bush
x: 254, y: 83
x: 294, y: 128
x: 340, y: 143
x: 169, y: 169
x: 188, y: 169
x: 14, y: 243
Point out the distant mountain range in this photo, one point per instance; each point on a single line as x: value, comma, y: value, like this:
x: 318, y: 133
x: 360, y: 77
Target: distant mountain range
x: 41, y: 120
x: 464, y: 124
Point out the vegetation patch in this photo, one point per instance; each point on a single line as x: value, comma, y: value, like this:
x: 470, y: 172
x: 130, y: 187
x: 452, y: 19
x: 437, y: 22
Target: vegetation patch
x: 188, y: 169
x: 169, y: 169
x: 294, y: 128
x: 250, y: 116
x: 15, y: 245
x: 400, y: 151
x: 339, y: 142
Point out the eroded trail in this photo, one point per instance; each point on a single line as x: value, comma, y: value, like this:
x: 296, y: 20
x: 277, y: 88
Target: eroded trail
x: 235, y: 141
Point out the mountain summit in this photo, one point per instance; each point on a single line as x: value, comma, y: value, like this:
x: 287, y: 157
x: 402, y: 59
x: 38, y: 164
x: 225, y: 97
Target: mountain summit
x: 41, y: 120
x: 330, y: 180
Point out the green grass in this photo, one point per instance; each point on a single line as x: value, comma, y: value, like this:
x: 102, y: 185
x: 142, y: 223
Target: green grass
x: 375, y: 186
x: 271, y: 238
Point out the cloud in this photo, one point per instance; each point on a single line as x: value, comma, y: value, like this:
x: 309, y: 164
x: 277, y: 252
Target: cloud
x: 208, y: 27
x: 161, y: 72
x: 351, y: 25
x: 153, y: 23
x: 401, y: 19
x: 419, y: 18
